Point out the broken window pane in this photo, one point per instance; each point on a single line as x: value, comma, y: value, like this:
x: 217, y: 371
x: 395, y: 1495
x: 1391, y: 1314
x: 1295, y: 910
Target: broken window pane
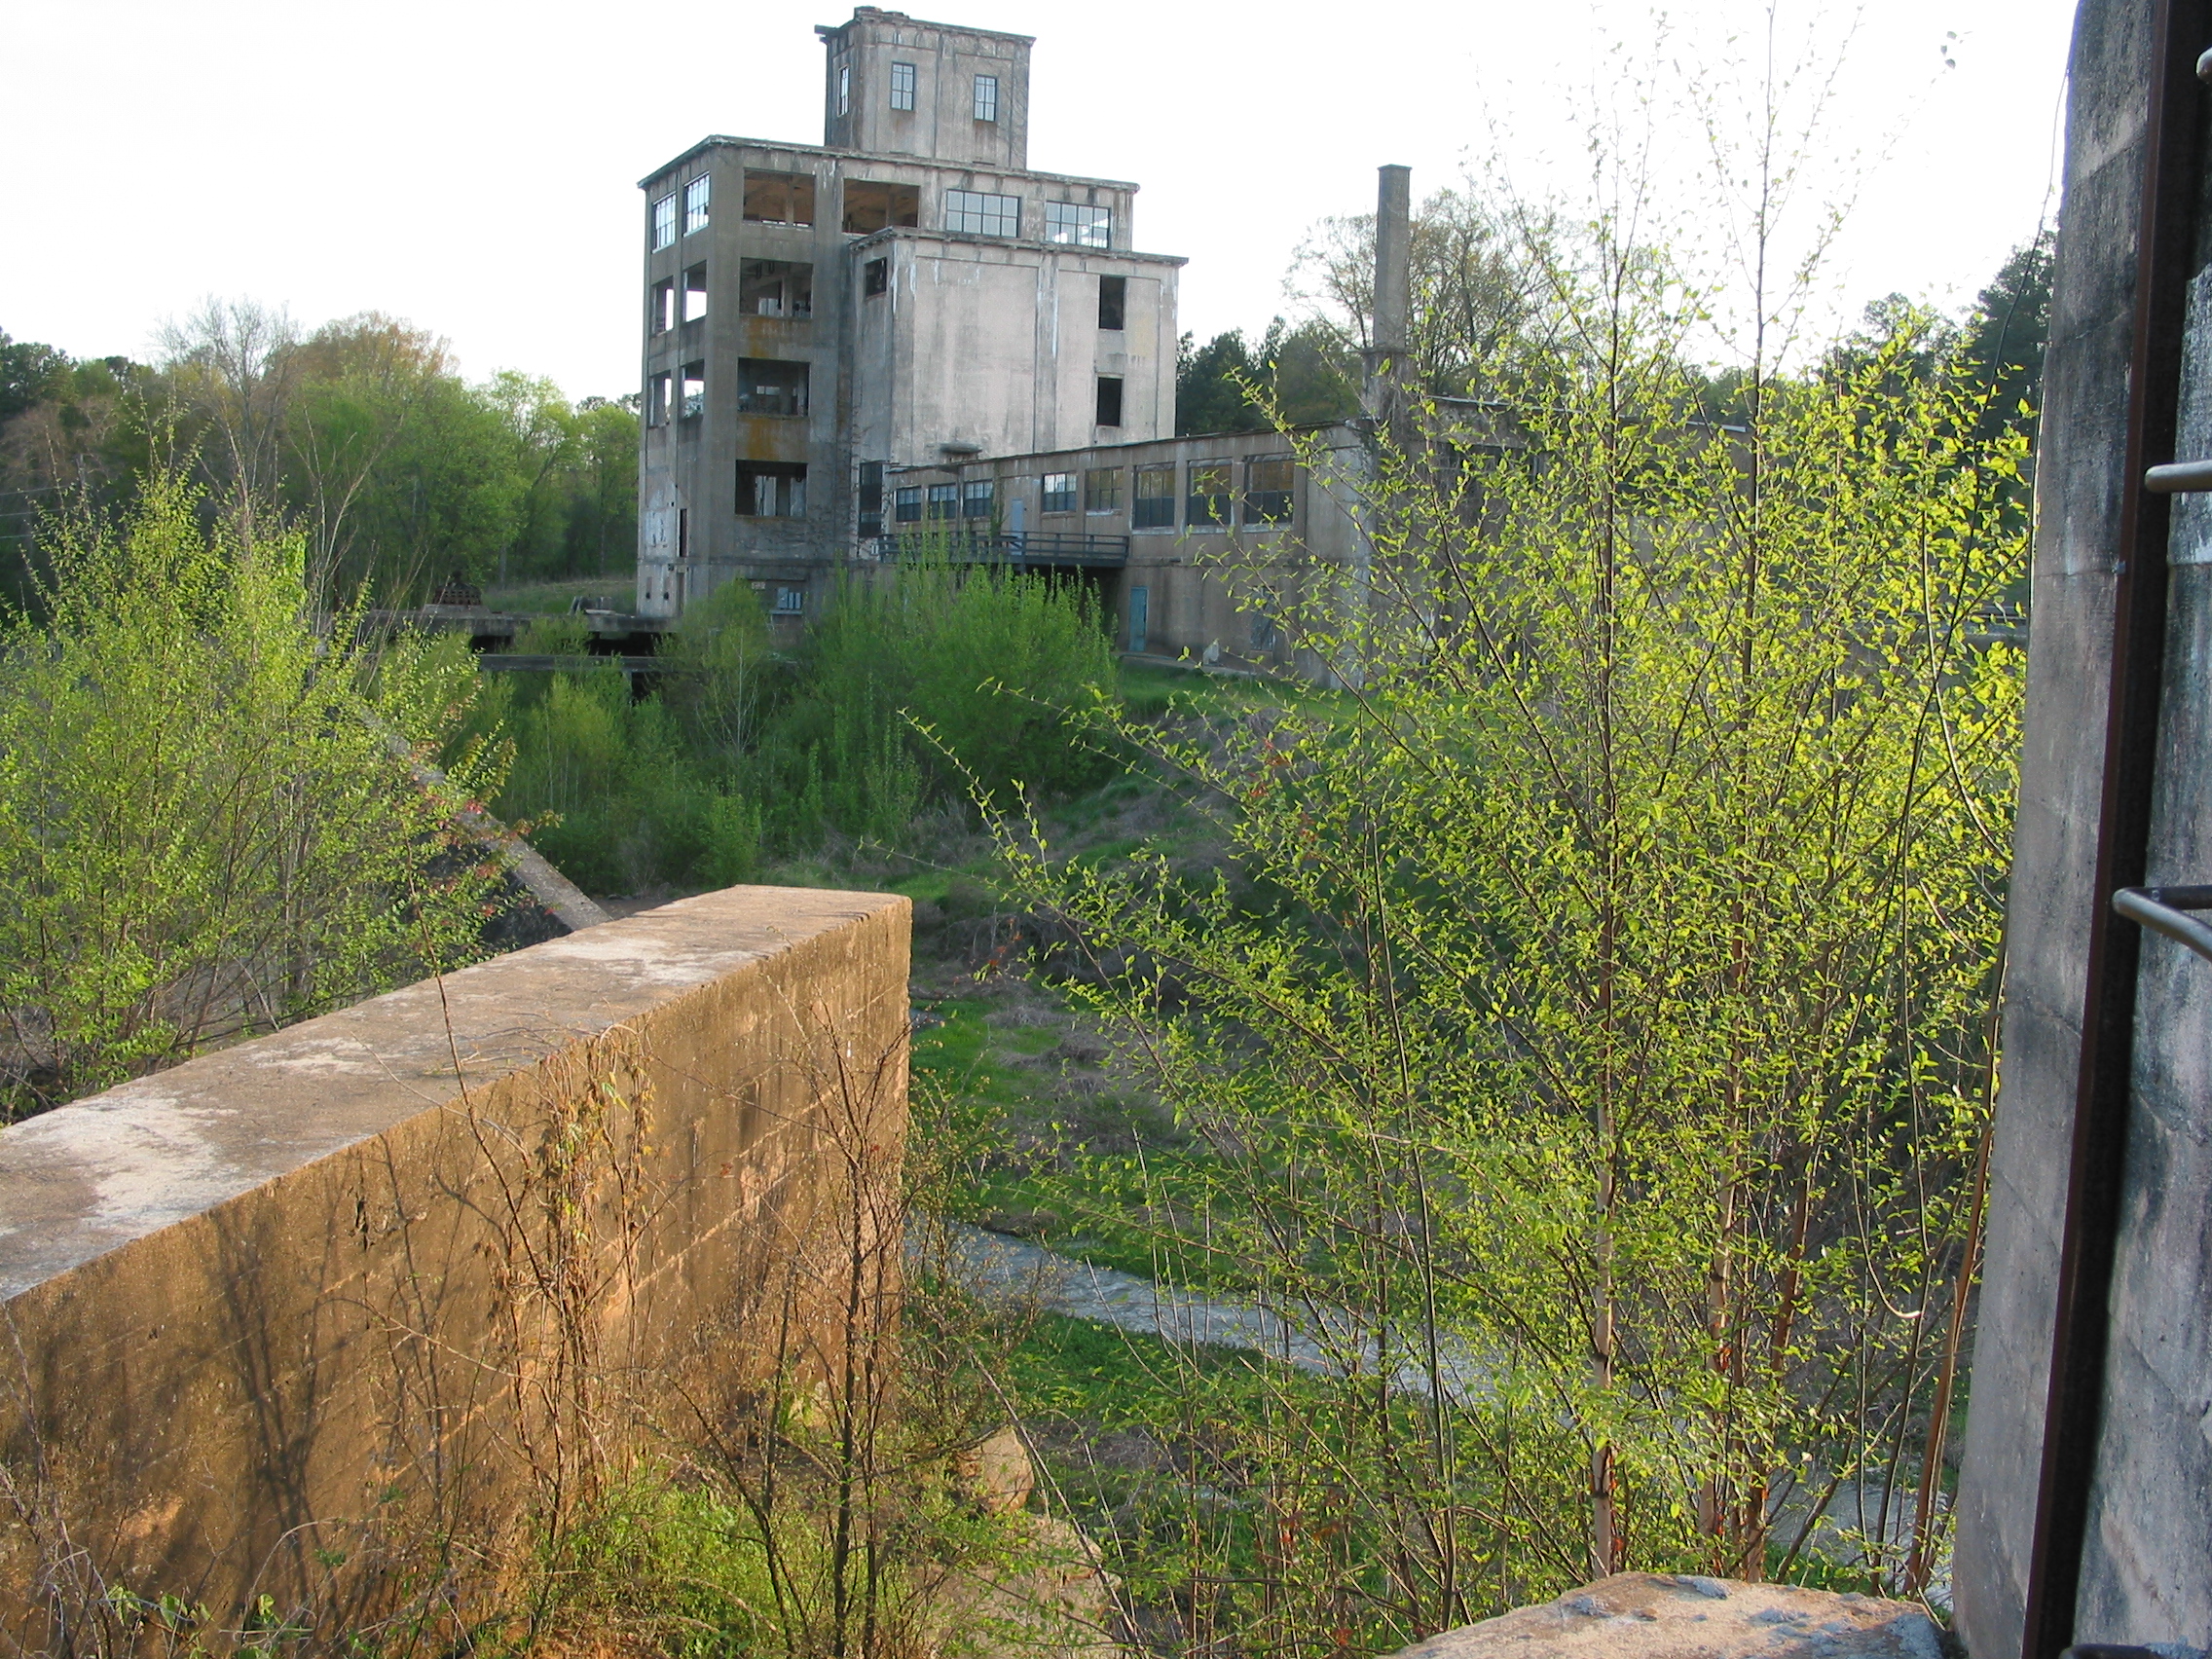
x: 771, y: 386
x: 790, y: 602
x: 1267, y: 492
x: 975, y: 498
x: 868, y: 499
x: 1109, y: 400
x: 1208, y: 501
x: 1153, y: 507
x: 694, y: 390
x: 775, y: 287
x: 661, y: 311
x: 874, y: 207
x: 1059, y: 492
x: 1102, y: 490
x: 974, y: 213
x: 901, y: 85
x: 1112, y: 301
x: 664, y: 221
x: 695, y: 206
x: 771, y: 488
x: 1078, y: 225
x: 986, y: 97
x: 944, y: 501
x: 779, y: 199
x: 876, y: 277
x: 694, y: 293
x: 907, y: 504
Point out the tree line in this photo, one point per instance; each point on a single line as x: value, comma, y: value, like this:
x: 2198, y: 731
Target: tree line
x: 363, y: 433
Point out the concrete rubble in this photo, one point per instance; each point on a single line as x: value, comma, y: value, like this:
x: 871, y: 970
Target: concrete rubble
x: 1650, y: 1615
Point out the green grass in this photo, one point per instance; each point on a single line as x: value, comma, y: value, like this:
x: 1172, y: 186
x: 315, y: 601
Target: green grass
x: 619, y: 588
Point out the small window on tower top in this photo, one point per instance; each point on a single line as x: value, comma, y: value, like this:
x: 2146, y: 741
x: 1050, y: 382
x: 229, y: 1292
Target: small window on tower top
x: 901, y: 85
x: 986, y: 97
x: 695, y: 206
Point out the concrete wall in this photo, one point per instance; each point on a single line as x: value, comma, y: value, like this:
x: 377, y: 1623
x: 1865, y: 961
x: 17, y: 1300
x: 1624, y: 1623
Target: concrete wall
x: 283, y: 1321
x: 946, y: 61
x: 2144, y: 1578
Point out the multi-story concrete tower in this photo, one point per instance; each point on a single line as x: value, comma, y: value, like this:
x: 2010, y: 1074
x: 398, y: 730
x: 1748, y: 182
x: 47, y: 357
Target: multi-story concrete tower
x: 825, y: 326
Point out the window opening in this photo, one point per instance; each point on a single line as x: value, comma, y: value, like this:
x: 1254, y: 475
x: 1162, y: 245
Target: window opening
x: 901, y: 85
x: 973, y: 213
x: 1113, y: 302
x: 663, y: 396
x: 771, y: 386
x: 1266, y: 491
x: 986, y: 97
x: 779, y: 199
x: 695, y: 206
x: 1059, y: 492
x: 875, y: 278
x: 664, y: 221
x: 694, y: 293
x: 1102, y: 490
x: 844, y: 87
x: 1109, y: 400
x: 1078, y: 225
x: 663, y: 306
x: 975, y: 498
x: 907, y: 504
x: 1208, y: 501
x: 694, y: 390
x: 944, y: 501
x: 775, y: 287
x: 771, y: 488
x: 790, y: 602
x: 684, y: 533
x: 868, y: 497
x: 874, y: 206
x: 1153, y: 505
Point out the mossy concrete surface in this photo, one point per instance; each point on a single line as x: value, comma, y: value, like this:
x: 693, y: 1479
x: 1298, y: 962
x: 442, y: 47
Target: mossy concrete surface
x: 345, y: 1312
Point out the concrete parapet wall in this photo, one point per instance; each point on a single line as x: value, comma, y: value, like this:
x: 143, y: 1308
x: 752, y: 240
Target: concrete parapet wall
x: 341, y: 1313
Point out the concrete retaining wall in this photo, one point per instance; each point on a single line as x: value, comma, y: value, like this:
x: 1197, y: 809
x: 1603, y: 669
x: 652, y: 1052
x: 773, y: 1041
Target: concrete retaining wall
x: 331, y: 1315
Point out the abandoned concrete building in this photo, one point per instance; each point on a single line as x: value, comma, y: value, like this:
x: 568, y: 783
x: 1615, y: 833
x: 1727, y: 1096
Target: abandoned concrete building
x: 905, y: 333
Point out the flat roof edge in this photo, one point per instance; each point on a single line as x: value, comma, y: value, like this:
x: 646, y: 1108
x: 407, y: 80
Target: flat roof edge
x: 721, y: 140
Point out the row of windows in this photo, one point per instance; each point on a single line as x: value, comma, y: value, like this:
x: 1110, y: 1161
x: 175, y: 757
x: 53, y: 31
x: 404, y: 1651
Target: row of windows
x: 789, y: 199
x: 784, y: 288
x: 765, y: 385
x: 903, y: 78
x: 1208, y: 498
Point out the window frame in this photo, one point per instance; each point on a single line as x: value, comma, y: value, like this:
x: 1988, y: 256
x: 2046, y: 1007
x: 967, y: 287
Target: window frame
x: 945, y: 496
x: 1270, y: 506
x: 685, y: 290
x: 661, y: 222
x: 1220, y: 511
x: 903, y: 496
x: 691, y: 404
x: 875, y: 278
x: 986, y: 101
x: 661, y: 309
x: 1079, y: 224
x: 1099, y: 401
x: 660, y: 397
x: 844, y: 88
x: 978, y: 498
x: 1153, y: 512
x: 1097, y: 500
x: 1117, y: 309
x: 697, y: 201
x: 906, y: 83
x: 1005, y: 212
x: 1068, y: 495
x: 792, y: 389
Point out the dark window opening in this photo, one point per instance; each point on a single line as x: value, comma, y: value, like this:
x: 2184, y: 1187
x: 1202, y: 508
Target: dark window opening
x: 1263, y: 632
x: 877, y: 207
x: 1267, y: 492
x: 975, y: 498
x: 662, y: 398
x: 875, y: 278
x: 868, y: 497
x: 1153, y: 505
x: 790, y: 602
x: 775, y: 287
x: 779, y: 199
x: 694, y: 293
x: 694, y: 390
x: 944, y: 501
x: 1059, y: 493
x: 1102, y: 490
x: 771, y: 488
x: 1112, y: 301
x: 907, y: 504
x: 771, y: 386
x: 1208, y: 500
x: 661, y: 315
x: 1109, y: 400
x: 684, y: 533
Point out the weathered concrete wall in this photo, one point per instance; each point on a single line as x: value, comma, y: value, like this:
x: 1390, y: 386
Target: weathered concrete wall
x: 2144, y: 1577
x: 324, y: 1316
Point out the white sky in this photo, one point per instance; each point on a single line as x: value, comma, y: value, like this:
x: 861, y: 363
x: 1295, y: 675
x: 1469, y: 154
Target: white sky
x: 472, y: 164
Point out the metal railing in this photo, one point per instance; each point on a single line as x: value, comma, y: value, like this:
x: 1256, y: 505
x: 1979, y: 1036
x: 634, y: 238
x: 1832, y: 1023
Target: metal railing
x: 983, y: 548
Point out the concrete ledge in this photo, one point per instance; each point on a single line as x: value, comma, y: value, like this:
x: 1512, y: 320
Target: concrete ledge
x: 331, y: 1312
x: 1649, y: 1616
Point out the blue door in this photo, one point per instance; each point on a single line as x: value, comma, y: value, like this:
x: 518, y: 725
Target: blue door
x: 1140, y: 615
